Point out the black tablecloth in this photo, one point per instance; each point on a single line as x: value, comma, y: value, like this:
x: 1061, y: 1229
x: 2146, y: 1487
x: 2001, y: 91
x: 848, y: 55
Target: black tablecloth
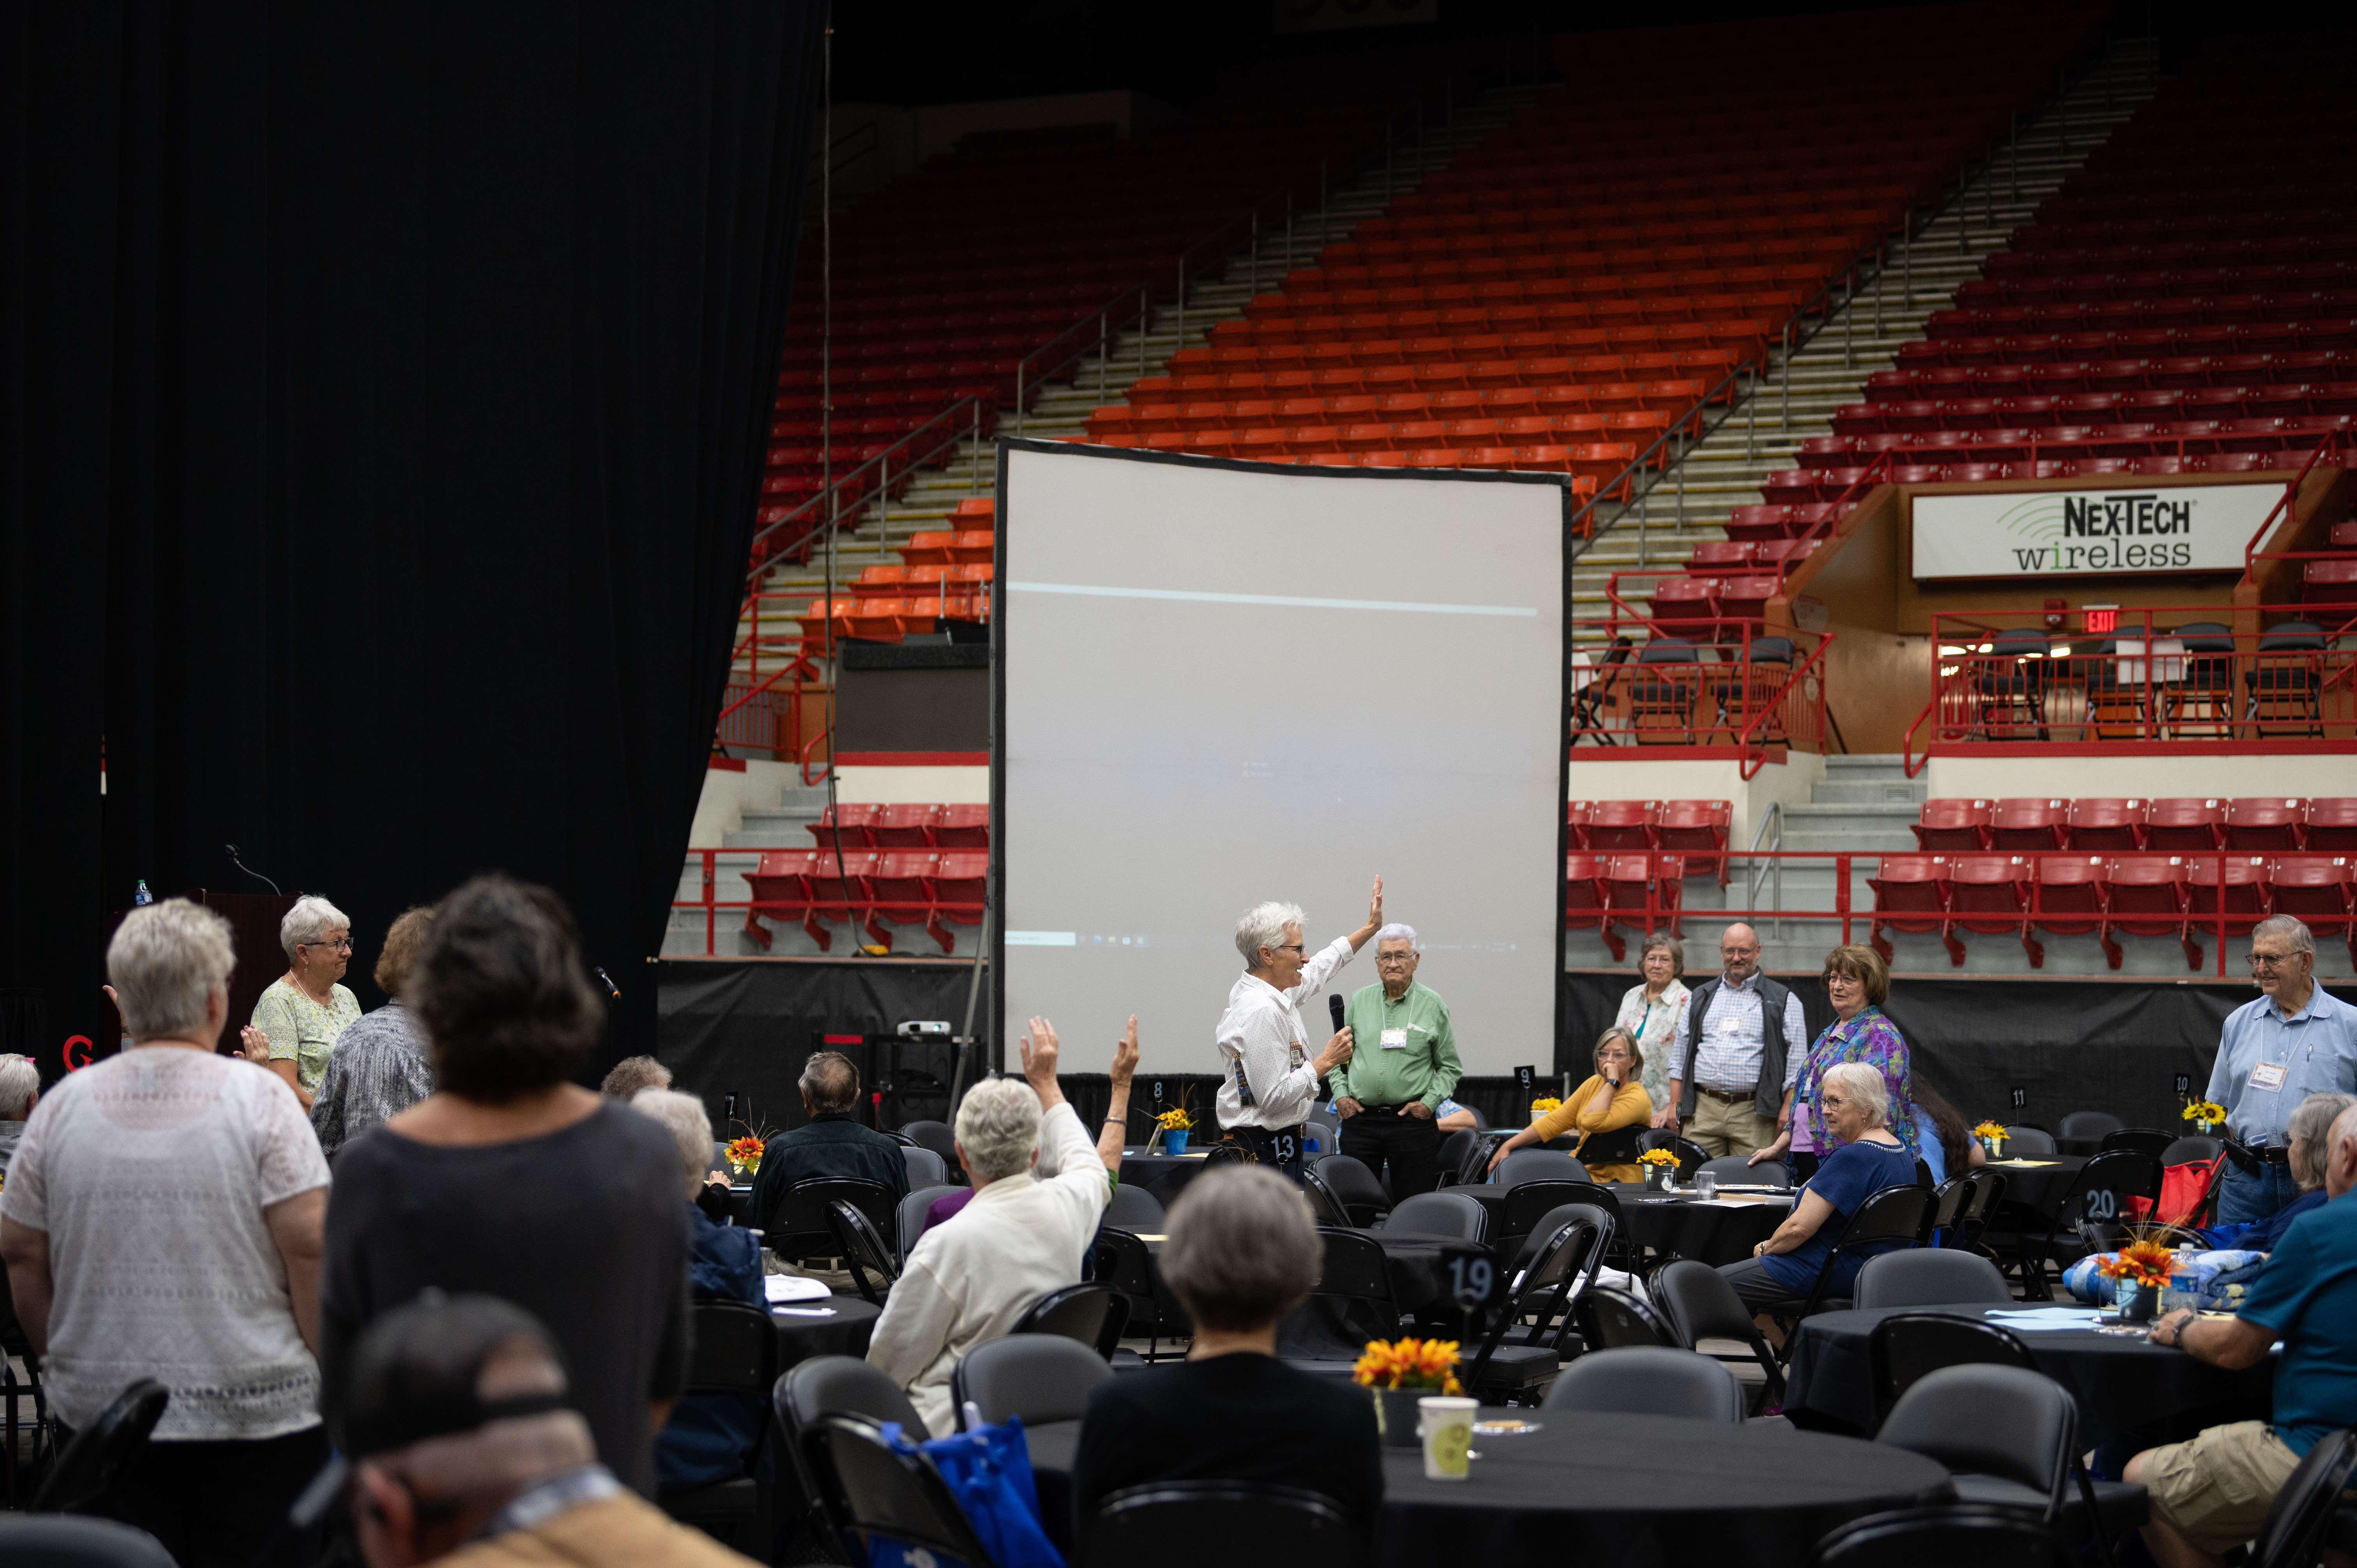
x: 1678, y: 1222
x: 1160, y: 1175
x: 2039, y: 1187
x: 2121, y: 1382
x: 1414, y: 1261
x: 1636, y: 1489
x: 843, y: 1332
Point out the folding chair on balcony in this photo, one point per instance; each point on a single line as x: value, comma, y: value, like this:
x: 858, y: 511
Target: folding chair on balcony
x: 2200, y: 700
x: 1752, y: 690
x: 2285, y: 682
x: 1663, y: 687
x: 2009, y: 685
x: 1591, y: 702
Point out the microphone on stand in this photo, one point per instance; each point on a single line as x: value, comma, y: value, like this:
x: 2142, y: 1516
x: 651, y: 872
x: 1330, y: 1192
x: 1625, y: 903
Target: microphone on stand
x: 249, y: 870
x: 612, y: 990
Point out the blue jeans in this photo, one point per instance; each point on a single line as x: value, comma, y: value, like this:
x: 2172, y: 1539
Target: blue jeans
x: 2245, y: 1198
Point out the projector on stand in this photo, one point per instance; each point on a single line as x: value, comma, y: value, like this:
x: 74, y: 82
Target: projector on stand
x: 925, y: 1029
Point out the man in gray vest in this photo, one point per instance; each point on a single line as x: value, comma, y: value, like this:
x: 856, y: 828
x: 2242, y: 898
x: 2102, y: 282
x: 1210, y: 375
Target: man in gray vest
x: 1740, y: 1043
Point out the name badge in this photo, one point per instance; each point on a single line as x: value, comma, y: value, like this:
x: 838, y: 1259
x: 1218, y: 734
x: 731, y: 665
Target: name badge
x: 2267, y: 1075
x: 1395, y: 1039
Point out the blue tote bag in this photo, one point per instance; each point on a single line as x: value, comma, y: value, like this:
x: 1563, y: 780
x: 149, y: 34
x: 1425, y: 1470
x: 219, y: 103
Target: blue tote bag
x: 989, y: 1473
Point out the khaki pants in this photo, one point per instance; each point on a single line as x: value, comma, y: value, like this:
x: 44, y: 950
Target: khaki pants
x: 1728, y: 1126
x: 2215, y: 1491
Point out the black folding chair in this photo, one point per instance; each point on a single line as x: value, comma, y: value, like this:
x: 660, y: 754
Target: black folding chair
x: 1324, y: 1204
x: 1948, y: 1200
x: 1609, y: 1318
x: 861, y: 1246
x: 1618, y: 1147
x: 1648, y: 1379
x: 1566, y: 1262
x: 801, y: 1225
x: 1700, y: 1305
x: 2093, y: 1215
x: 1692, y: 1157
x: 1590, y: 703
x: 1091, y: 1312
x: 1907, y: 1347
x: 873, y: 1493
x: 1039, y: 1377
x: 1164, y: 1524
x: 12, y: 1343
x: 2296, y: 1520
x: 1353, y: 1303
x: 100, y: 1453
x: 735, y: 1353
x: 1354, y: 1186
x: 61, y: 1541
x: 1124, y: 1261
x: 1528, y: 1204
x: 1945, y: 1535
x: 1973, y: 1219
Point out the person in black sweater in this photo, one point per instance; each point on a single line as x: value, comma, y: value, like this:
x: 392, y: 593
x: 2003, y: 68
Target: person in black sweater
x: 1240, y: 1250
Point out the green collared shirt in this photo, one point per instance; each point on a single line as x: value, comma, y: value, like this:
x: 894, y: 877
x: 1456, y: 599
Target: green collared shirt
x: 1424, y: 1069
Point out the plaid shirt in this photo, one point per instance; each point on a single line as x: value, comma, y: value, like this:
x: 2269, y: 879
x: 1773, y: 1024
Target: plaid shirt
x: 378, y: 1070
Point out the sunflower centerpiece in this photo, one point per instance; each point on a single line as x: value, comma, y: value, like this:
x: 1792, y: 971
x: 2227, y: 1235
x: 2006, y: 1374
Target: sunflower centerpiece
x: 1661, y: 1170
x: 1171, y: 1128
x: 1991, y: 1136
x: 2138, y: 1272
x: 1544, y: 1105
x: 1400, y: 1372
x: 2206, y: 1115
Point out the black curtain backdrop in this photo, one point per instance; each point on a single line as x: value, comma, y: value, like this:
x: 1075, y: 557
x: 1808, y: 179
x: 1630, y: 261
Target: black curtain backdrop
x: 386, y: 393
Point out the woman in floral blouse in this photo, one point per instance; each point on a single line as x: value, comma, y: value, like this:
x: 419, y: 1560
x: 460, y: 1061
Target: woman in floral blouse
x: 303, y: 1012
x: 1650, y: 1012
x: 1859, y: 982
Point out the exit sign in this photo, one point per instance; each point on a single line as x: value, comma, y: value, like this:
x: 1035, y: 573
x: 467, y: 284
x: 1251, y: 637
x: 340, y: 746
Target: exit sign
x: 2101, y: 619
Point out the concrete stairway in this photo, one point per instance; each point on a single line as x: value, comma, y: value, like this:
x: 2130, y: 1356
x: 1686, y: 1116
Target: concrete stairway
x: 1796, y: 398
x: 1062, y: 408
x: 785, y: 825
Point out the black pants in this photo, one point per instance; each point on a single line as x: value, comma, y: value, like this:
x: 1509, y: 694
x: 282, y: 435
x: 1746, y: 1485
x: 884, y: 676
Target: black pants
x: 1760, y: 1290
x: 219, y: 1505
x: 1380, y: 1136
x: 1279, y: 1147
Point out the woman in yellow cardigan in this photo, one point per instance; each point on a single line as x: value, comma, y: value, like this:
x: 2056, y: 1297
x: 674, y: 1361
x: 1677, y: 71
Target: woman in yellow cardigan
x: 1612, y: 1099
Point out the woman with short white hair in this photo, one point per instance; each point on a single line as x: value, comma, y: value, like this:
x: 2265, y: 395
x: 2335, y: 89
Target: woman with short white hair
x: 1022, y: 1236
x: 1855, y: 1103
x: 163, y: 1219
x: 305, y: 1011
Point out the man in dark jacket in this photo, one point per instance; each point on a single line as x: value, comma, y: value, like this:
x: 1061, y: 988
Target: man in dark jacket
x: 830, y: 1144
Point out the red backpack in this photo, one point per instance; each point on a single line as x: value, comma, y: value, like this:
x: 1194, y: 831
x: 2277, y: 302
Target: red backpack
x: 2186, y: 1192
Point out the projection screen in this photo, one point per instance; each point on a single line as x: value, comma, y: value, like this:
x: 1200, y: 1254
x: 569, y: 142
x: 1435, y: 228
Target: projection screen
x: 1220, y: 682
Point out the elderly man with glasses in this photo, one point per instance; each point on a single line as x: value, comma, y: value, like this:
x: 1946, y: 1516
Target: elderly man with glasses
x: 2275, y: 1051
x: 1389, y: 1095
x: 1268, y: 1080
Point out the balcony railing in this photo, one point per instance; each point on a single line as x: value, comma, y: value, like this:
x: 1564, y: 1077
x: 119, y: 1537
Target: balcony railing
x: 1754, y: 692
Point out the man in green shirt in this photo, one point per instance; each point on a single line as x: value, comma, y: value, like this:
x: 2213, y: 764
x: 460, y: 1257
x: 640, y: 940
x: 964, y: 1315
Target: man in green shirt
x: 1405, y: 1065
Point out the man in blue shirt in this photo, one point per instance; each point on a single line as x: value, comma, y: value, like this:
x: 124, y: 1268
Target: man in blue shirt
x: 2296, y: 1041
x: 2213, y: 1494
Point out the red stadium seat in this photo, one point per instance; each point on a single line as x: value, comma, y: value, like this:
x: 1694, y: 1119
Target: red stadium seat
x: 958, y: 882
x: 1584, y: 903
x: 1989, y: 894
x: 1699, y: 828
x: 1576, y: 814
x: 2147, y: 898
x: 2027, y: 823
x: 1952, y: 825
x: 1910, y: 894
x: 858, y: 821
x: 2104, y: 822
x: 2070, y: 903
x: 2185, y: 822
x: 781, y: 890
x: 839, y: 886
x: 1681, y: 606
x: 2317, y: 889
x: 2264, y: 821
x: 904, y: 827
x: 1627, y: 879
x: 899, y: 893
x: 2333, y: 823
x: 2234, y: 891
x: 962, y: 825
x: 1622, y: 825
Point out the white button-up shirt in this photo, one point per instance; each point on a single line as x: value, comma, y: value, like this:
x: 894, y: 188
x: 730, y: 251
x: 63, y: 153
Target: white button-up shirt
x: 1266, y: 1080
x: 1732, y: 1040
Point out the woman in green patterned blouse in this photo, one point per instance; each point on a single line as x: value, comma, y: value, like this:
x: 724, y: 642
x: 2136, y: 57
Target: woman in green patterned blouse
x: 298, y: 1020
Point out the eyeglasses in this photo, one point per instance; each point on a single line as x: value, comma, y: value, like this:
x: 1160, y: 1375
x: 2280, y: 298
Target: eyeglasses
x: 2270, y: 960
x: 1395, y: 958
x: 343, y: 944
x: 1830, y: 1100
x: 1289, y: 947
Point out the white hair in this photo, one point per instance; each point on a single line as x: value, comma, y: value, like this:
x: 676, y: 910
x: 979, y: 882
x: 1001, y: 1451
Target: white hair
x: 20, y: 1081
x: 311, y: 918
x: 2294, y: 932
x: 2307, y: 1137
x: 1866, y: 1088
x: 1241, y: 1248
x: 998, y: 1127
x: 1264, y: 927
x: 683, y: 1116
x: 1397, y: 932
x: 164, y: 963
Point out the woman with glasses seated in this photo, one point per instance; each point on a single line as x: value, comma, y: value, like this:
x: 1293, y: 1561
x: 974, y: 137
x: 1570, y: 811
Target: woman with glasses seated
x: 299, y: 1018
x: 1614, y: 1097
x: 1864, y: 1158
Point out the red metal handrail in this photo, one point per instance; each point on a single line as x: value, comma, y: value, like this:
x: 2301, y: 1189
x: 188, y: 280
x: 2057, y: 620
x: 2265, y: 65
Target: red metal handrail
x: 1756, y: 759
x: 2291, y: 501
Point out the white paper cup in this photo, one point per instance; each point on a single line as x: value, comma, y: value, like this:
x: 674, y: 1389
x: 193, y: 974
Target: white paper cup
x: 1446, y: 1425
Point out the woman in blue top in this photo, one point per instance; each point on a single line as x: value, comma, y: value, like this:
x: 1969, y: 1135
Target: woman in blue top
x: 1866, y: 1159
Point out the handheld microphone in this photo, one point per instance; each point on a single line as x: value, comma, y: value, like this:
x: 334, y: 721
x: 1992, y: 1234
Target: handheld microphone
x: 606, y: 980
x: 249, y: 870
x: 1334, y: 1006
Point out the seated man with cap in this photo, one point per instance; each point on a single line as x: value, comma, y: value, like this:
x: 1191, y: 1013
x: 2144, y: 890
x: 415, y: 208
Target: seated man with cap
x: 465, y: 1450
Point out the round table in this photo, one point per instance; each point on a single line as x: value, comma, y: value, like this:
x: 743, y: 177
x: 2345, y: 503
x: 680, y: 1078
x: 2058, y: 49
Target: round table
x: 1164, y: 1176
x: 2121, y: 1382
x: 2037, y: 1180
x: 1723, y: 1230
x: 803, y: 1333
x: 1614, y: 1489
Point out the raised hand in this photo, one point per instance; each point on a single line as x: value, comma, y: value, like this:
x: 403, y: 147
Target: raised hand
x: 1040, y: 1053
x: 1125, y: 1053
x: 1376, y: 903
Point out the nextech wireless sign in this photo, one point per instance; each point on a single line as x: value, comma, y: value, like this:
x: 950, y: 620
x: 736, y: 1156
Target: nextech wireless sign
x: 2047, y: 533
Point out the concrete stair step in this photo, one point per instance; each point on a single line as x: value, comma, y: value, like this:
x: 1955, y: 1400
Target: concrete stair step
x: 1869, y: 792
